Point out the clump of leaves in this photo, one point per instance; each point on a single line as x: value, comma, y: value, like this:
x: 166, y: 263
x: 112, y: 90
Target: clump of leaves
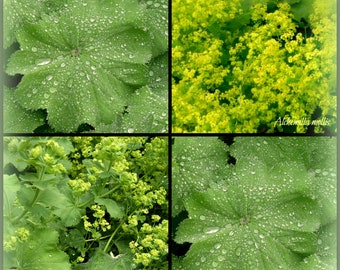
x: 90, y: 62
x: 274, y: 206
x: 85, y: 203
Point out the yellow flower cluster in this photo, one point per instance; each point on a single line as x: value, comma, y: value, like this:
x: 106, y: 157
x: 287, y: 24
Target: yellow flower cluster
x: 99, y: 225
x: 48, y: 155
x: 243, y: 81
x: 151, y: 245
x: 21, y: 235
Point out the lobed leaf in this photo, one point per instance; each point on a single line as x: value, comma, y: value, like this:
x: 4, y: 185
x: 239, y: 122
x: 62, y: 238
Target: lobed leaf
x: 83, y: 63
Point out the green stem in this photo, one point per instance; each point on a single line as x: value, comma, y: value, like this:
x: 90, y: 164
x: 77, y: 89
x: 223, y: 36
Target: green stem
x: 109, y: 192
x: 101, y: 238
x: 111, y: 237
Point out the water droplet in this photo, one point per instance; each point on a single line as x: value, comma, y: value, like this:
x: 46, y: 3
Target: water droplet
x: 203, y: 259
x: 49, y: 77
x: 131, y: 56
x: 34, y: 90
x: 217, y: 246
x: 211, y: 230
x: 34, y: 49
x: 62, y: 65
x: 69, y: 83
x: 53, y: 90
x: 202, y: 217
x: 130, y: 130
x: 231, y: 233
x: 238, y: 251
x: 42, y: 62
x: 300, y: 224
x: 151, y: 73
x: 46, y: 95
x: 221, y: 258
x: 214, y: 264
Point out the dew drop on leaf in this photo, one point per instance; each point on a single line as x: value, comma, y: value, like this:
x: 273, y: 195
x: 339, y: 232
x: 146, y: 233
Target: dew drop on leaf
x: 238, y: 251
x: 69, y: 83
x: 43, y: 62
x: 211, y: 230
x: 217, y: 246
x: 202, y: 217
x: 221, y: 258
x: 34, y: 49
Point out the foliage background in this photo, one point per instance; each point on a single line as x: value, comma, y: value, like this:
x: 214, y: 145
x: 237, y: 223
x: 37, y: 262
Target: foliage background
x: 85, y: 203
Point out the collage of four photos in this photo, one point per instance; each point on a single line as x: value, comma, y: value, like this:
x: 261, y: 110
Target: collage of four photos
x: 184, y: 135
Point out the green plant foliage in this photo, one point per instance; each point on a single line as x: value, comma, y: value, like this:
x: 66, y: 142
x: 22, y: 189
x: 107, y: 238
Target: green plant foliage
x: 186, y: 169
x: 85, y: 203
x: 254, y: 66
x: 84, y: 61
x: 15, y: 115
x: 274, y: 209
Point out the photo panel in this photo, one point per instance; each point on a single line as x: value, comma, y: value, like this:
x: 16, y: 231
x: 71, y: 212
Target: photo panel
x: 254, y: 66
x: 76, y: 66
x: 254, y: 203
x: 85, y: 203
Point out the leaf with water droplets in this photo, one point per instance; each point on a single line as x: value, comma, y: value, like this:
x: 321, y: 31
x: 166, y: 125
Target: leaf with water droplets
x: 17, y: 119
x: 156, y: 20
x: 17, y: 13
x: 196, y: 164
x: 269, y: 210
x: 41, y: 253
x: 243, y: 224
x: 83, y: 62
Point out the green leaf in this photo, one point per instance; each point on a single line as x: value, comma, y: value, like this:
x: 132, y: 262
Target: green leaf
x: 156, y: 19
x: 243, y: 223
x: 148, y: 108
x: 11, y: 186
x: 17, y: 119
x: 195, y: 166
x: 40, y: 252
x: 18, y: 13
x: 82, y: 64
x: 154, y: 116
x: 69, y: 213
x: 113, y: 208
x: 104, y: 261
